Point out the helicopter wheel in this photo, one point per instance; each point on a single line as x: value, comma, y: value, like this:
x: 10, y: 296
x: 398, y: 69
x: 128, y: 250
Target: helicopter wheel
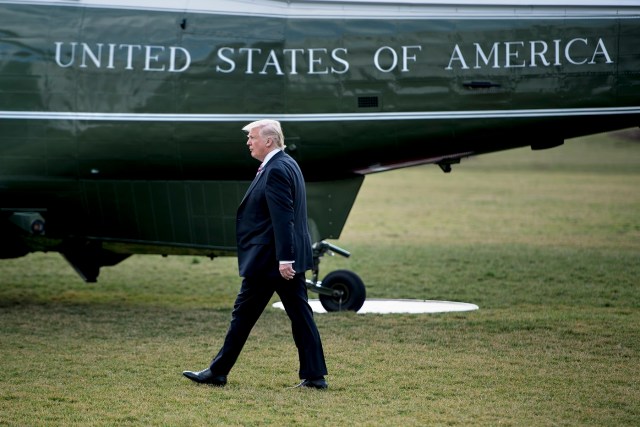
x: 352, y: 287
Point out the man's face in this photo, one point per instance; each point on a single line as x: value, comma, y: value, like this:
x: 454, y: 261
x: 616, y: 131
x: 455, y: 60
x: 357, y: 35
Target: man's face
x: 258, y: 146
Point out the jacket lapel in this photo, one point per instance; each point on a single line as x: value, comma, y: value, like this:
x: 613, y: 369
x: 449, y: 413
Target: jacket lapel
x: 253, y: 184
x: 258, y: 176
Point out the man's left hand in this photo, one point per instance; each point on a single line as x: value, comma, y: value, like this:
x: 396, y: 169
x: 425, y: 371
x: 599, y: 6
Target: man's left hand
x: 287, y: 272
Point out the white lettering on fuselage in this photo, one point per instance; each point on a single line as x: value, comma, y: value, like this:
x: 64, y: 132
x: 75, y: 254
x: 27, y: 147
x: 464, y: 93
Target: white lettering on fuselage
x: 536, y: 53
x: 173, y: 59
x: 393, y: 56
x: 318, y: 60
x: 578, y: 51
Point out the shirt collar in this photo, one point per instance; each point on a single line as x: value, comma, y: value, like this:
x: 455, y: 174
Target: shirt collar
x: 270, y: 155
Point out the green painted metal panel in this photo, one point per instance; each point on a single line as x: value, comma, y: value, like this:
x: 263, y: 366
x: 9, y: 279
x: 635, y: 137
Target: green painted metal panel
x: 124, y: 125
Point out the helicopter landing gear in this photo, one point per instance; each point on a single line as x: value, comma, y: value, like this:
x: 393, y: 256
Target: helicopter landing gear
x: 341, y: 290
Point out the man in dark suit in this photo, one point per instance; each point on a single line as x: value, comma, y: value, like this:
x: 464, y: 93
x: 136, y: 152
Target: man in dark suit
x: 274, y: 251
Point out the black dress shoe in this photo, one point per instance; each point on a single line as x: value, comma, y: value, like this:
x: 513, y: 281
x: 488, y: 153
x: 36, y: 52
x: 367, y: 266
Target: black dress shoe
x: 320, y: 384
x: 206, y: 377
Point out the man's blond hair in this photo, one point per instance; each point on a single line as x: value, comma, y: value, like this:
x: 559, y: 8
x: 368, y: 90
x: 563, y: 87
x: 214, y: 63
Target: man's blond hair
x: 268, y: 129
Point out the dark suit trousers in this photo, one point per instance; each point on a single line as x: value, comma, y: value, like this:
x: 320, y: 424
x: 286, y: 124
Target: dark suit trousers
x: 251, y: 301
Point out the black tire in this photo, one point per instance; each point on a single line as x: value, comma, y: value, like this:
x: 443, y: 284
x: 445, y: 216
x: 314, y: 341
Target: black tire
x: 350, y: 284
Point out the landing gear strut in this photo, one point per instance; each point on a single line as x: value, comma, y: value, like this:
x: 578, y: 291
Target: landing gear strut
x: 341, y: 290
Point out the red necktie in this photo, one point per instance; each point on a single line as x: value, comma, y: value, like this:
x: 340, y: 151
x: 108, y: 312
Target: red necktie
x: 259, y: 170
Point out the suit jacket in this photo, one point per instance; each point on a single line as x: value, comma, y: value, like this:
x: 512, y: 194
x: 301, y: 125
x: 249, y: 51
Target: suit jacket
x: 271, y: 222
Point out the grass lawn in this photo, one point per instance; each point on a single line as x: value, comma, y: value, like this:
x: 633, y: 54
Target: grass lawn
x: 547, y: 244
